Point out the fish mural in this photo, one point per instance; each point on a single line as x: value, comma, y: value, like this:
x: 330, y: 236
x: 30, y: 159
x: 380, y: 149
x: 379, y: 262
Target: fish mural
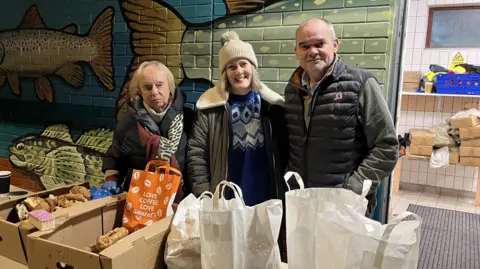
x: 32, y: 50
x: 158, y: 32
x: 58, y: 160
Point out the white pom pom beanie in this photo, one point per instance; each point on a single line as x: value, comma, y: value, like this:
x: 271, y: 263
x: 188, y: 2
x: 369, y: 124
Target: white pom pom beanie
x: 234, y: 48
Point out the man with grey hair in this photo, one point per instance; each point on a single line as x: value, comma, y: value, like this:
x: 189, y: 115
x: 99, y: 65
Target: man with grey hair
x: 340, y: 129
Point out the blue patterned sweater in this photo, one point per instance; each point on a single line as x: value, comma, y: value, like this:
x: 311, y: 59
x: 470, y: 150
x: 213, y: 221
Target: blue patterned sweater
x: 247, y: 158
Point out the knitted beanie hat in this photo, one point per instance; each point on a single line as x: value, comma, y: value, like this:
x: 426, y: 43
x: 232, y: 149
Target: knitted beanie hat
x: 234, y: 48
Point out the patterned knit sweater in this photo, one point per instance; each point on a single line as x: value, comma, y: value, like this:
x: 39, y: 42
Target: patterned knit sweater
x: 247, y: 159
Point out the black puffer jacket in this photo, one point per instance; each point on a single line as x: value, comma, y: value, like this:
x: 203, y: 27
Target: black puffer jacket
x: 127, y: 152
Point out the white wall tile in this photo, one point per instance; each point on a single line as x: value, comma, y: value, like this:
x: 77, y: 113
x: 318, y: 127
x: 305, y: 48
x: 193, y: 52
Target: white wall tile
x: 449, y: 182
x: 422, y: 178
x: 469, y: 170
x: 411, y: 117
x: 406, y: 164
x: 431, y: 179
x: 416, y: 67
x: 415, y: 166
x: 424, y: 167
x: 460, y: 171
x: 458, y: 183
x: 426, y: 58
x: 422, y: 8
x: 450, y: 170
x: 411, y: 25
x: 409, y: 40
x: 468, y: 184
x: 444, y: 59
x: 440, y: 181
x: 402, y: 120
x: 414, y: 177
x: 428, y: 119
x: 442, y: 171
x: 419, y: 41
x: 408, y: 56
x: 421, y: 24
x: 412, y: 11
x: 419, y: 116
x: 417, y: 57
x: 434, y: 57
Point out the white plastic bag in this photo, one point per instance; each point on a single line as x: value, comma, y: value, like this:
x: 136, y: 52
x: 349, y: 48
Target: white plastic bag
x: 353, y: 241
x: 236, y: 236
x: 327, y: 228
x: 440, y: 158
x: 302, y: 208
x: 182, y: 250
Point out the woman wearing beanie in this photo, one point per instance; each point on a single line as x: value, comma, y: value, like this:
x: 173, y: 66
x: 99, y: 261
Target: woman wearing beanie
x: 239, y: 132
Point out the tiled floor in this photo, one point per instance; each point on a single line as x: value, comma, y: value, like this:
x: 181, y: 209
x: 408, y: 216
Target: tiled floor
x: 452, y: 201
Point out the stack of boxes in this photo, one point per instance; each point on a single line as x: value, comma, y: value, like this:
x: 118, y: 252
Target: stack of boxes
x: 420, y: 145
x: 411, y: 81
x: 469, y: 129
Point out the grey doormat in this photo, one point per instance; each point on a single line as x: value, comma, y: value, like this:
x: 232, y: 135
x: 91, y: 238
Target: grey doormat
x: 449, y: 239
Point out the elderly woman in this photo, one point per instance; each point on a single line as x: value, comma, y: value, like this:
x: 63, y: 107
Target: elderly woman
x: 151, y: 129
x: 239, y: 133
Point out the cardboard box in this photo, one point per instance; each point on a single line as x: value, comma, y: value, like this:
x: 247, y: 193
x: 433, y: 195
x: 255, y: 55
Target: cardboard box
x: 454, y: 157
x: 421, y: 150
x: 469, y: 151
x: 470, y: 161
x: 10, y: 264
x: 411, y: 156
x: 410, y: 86
x: 469, y: 132
x: 475, y: 142
x: 464, y: 122
x: 12, y: 234
x: 412, y: 76
x: 141, y: 249
x: 421, y: 137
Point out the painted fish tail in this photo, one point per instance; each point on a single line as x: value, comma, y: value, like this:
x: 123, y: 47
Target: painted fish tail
x: 101, y: 33
x: 156, y: 34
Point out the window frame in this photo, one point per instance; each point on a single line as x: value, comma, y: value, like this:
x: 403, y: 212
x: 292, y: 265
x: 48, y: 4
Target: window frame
x: 431, y: 10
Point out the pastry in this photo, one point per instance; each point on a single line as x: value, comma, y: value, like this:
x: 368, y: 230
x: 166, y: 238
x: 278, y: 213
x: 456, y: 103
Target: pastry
x: 110, y: 238
x: 41, y: 219
x: 67, y: 200
x: 81, y: 190
x: 52, y: 202
x: 36, y: 203
x: 22, y: 211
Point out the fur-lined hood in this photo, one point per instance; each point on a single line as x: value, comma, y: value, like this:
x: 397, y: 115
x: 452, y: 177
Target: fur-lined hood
x: 215, y: 97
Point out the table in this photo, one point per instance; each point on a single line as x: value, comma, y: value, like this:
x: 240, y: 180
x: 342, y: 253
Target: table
x: 13, y: 188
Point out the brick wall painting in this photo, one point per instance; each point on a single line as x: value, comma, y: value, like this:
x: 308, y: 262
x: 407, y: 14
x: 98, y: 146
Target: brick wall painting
x: 57, y: 160
x: 183, y: 34
x: 190, y: 49
x: 34, y: 51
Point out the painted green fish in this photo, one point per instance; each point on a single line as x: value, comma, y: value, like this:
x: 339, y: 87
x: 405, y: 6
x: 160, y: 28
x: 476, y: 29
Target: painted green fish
x: 35, y: 51
x: 58, y: 160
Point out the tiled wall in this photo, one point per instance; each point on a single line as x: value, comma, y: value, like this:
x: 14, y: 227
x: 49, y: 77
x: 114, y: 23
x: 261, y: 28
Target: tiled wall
x: 424, y: 112
x: 416, y: 57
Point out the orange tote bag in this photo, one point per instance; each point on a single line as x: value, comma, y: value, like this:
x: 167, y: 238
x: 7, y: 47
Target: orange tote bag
x: 149, y: 195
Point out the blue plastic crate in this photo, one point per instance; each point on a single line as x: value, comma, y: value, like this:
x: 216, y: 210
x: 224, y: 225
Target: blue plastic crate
x: 468, y: 84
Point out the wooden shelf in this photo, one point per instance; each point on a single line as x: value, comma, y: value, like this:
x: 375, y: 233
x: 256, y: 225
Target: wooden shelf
x: 438, y: 94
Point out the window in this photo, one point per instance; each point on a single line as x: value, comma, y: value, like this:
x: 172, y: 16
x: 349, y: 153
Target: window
x: 453, y: 27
